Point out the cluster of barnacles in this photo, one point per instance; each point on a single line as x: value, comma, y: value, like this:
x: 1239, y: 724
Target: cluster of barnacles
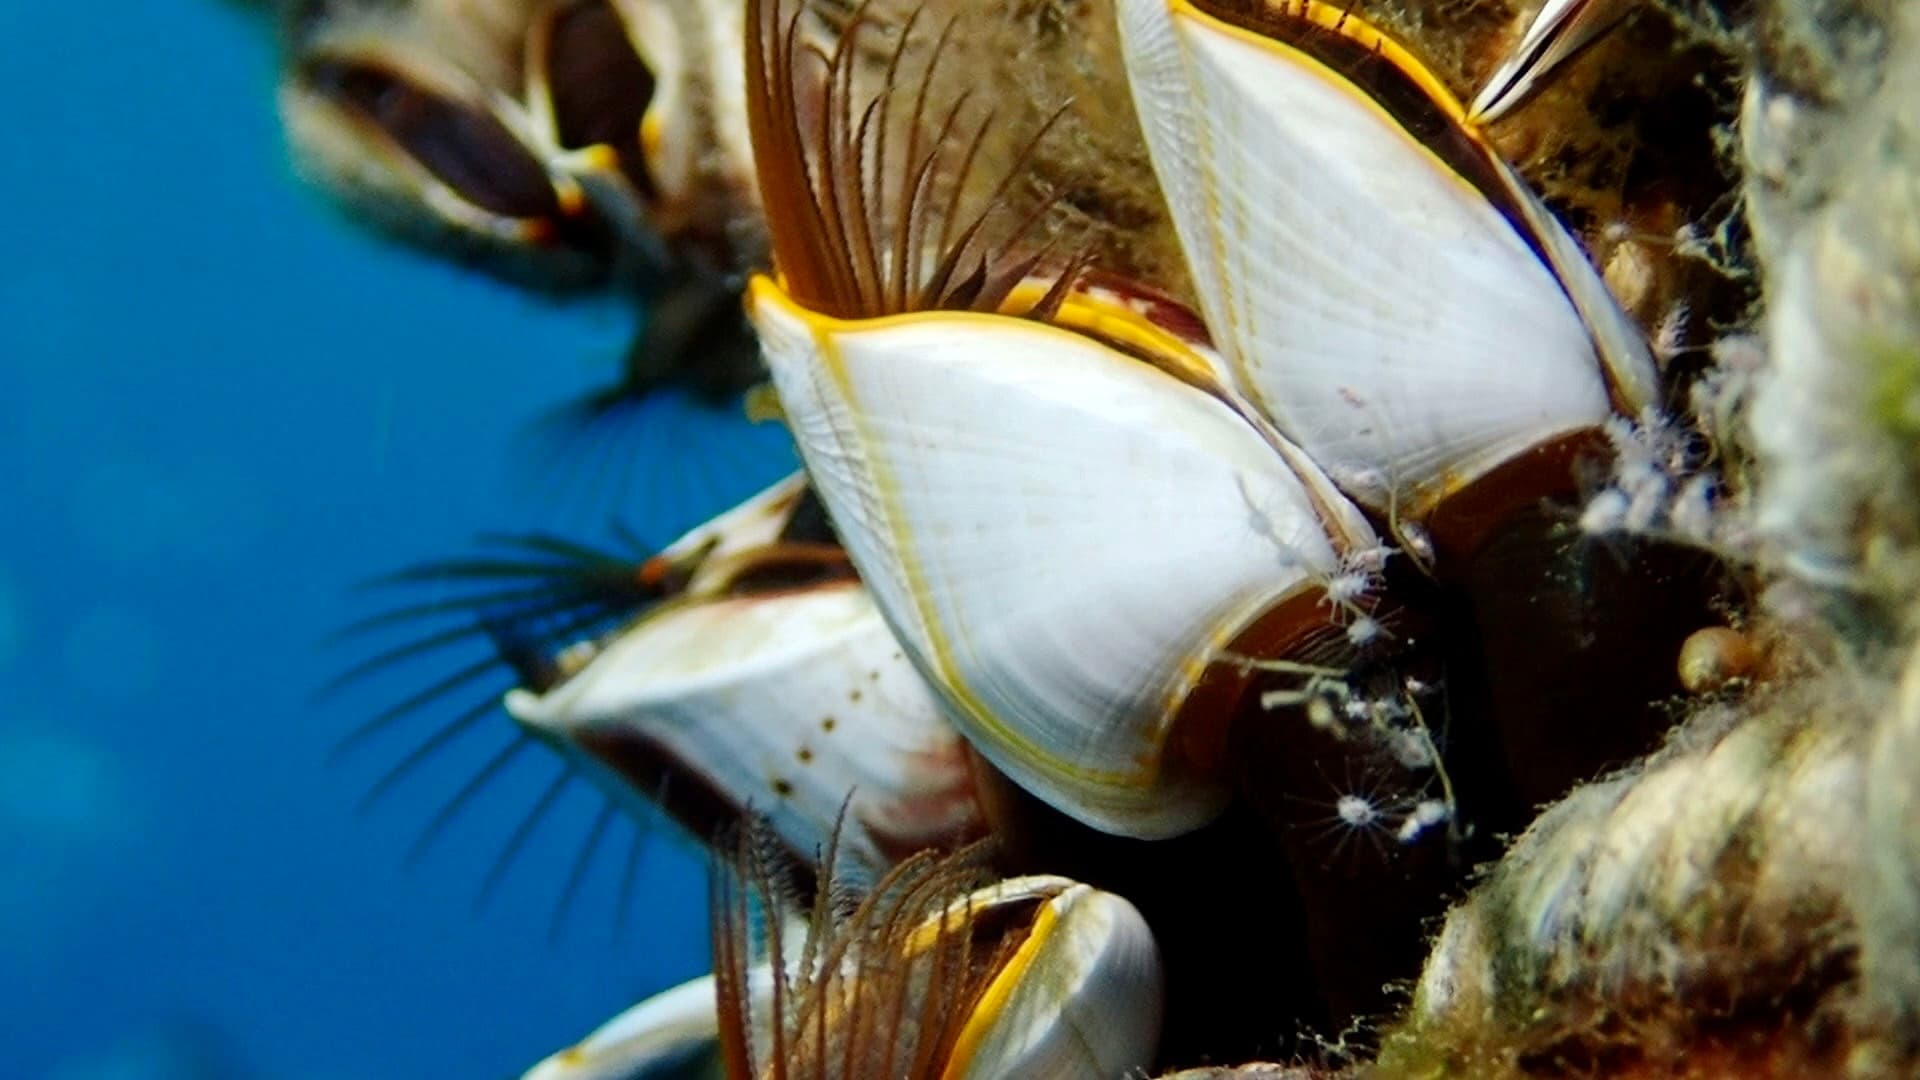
x: 1243, y: 485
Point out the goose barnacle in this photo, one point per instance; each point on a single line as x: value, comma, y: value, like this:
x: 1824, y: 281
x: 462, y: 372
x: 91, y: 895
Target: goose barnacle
x: 745, y: 668
x: 940, y: 971
x: 1390, y: 294
x: 768, y: 681
x: 573, y: 147
x: 1381, y: 283
x: 950, y: 396
x: 793, y: 704
x: 936, y: 970
x: 403, y: 134
x: 446, y: 122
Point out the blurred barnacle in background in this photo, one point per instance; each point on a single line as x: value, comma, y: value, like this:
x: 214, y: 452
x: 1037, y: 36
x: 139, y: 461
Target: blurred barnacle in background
x: 576, y: 148
x: 408, y: 115
x: 588, y: 148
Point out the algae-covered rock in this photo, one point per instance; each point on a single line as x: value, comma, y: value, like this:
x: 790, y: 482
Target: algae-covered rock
x: 1746, y: 902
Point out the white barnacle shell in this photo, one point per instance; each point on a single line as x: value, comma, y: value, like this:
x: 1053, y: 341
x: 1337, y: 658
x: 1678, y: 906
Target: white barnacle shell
x: 1557, y: 32
x: 937, y: 970
x: 790, y: 701
x: 1381, y: 283
x: 1063, y: 535
x: 672, y: 1033
x: 1080, y: 998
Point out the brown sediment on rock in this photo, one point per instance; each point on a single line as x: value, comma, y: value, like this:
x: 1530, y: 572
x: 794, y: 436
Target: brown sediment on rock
x: 1095, y: 167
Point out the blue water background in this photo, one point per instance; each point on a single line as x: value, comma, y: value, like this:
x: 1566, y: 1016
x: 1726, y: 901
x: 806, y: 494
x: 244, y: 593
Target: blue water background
x: 219, y: 407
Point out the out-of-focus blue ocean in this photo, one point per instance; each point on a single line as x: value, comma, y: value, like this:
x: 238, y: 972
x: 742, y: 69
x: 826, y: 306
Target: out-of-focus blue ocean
x: 220, y: 407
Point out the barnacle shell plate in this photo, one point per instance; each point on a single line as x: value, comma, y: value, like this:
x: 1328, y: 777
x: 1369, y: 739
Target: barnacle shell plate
x: 673, y: 1033
x: 717, y: 545
x: 1409, y: 331
x: 1081, y: 998
x: 785, y: 702
x: 1062, y: 535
